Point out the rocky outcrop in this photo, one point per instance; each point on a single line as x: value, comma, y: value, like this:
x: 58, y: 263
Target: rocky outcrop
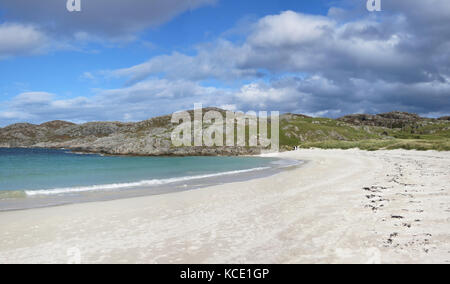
x: 153, y: 137
x: 147, y: 138
x: 292, y: 116
x: 387, y: 120
x: 55, y: 124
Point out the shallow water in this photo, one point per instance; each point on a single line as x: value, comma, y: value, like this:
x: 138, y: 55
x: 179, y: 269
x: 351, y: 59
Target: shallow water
x: 46, y: 177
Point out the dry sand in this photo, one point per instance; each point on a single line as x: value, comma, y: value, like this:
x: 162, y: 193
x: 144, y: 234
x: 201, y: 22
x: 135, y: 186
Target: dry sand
x: 341, y: 207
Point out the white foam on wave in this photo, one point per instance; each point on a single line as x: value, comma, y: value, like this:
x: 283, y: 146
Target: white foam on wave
x: 152, y: 182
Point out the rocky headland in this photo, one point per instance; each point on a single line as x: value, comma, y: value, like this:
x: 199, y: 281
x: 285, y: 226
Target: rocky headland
x: 153, y: 137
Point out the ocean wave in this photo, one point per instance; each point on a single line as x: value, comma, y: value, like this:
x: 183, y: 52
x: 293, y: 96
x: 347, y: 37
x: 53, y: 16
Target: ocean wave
x: 153, y: 182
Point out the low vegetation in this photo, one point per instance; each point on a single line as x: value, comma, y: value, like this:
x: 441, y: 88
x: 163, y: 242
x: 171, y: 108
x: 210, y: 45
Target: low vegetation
x: 395, y: 130
x: 386, y: 131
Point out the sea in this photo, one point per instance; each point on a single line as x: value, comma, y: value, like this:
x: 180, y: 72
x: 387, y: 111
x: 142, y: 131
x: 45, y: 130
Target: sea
x: 31, y: 178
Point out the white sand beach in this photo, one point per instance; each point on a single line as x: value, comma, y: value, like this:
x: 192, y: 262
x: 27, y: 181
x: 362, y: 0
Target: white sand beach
x: 340, y: 207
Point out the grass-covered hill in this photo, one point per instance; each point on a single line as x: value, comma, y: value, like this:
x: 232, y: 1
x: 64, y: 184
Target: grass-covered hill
x: 152, y: 137
x: 395, y: 130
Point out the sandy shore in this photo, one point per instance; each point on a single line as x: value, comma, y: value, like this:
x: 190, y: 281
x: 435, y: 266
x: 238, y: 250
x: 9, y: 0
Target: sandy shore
x: 341, y: 207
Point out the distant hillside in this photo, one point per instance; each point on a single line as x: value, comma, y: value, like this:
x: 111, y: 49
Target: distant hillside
x: 389, y: 120
x: 149, y: 138
x: 371, y: 132
x: 152, y: 137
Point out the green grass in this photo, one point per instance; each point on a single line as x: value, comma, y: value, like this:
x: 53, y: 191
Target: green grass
x: 331, y: 134
x: 372, y: 144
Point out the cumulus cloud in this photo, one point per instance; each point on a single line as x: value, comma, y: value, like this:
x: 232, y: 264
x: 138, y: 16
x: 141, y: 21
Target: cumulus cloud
x: 341, y: 63
x: 388, y: 48
x: 218, y: 60
x: 35, y: 27
x: 318, y: 96
x: 112, y: 19
x: 331, y: 65
x: 140, y: 101
x: 290, y: 29
x: 315, y: 96
x: 20, y: 39
x: 32, y: 98
x: 363, y: 48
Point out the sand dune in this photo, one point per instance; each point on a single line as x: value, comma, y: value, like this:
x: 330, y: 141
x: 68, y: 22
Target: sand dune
x: 341, y: 207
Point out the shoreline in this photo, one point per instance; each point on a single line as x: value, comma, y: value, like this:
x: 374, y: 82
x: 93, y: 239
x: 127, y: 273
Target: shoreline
x: 18, y: 200
x: 343, y: 206
x: 199, y: 151
x: 79, y: 151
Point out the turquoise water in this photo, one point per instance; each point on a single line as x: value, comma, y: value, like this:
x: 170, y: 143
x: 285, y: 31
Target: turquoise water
x: 46, y: 171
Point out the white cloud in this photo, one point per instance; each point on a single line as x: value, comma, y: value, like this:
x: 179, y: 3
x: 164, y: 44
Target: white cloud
x: 107, y: 19
x: 295, y: 42
x: 33, y: 98
x: 140, y: 101
x: 36, y: 27
x: 317, y: 95
x: 262, y: 96
x: 14, y: 115
x: 290, y: 28
x: 19, y: 39
x: 332, y: 65
x: 88, y: 76
x: 322, y: 65
x: 218, y: 60
x: 229, y: 107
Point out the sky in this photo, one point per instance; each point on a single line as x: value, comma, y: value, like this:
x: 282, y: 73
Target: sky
x: 132, y: 60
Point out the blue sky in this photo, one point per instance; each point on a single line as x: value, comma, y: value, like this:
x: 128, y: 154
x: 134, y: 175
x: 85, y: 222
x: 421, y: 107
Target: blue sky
x: 137, y: 60
x: 181, y: 34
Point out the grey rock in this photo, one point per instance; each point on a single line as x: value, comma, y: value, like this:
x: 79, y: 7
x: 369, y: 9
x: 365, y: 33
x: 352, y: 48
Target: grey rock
x: 146, y: 138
